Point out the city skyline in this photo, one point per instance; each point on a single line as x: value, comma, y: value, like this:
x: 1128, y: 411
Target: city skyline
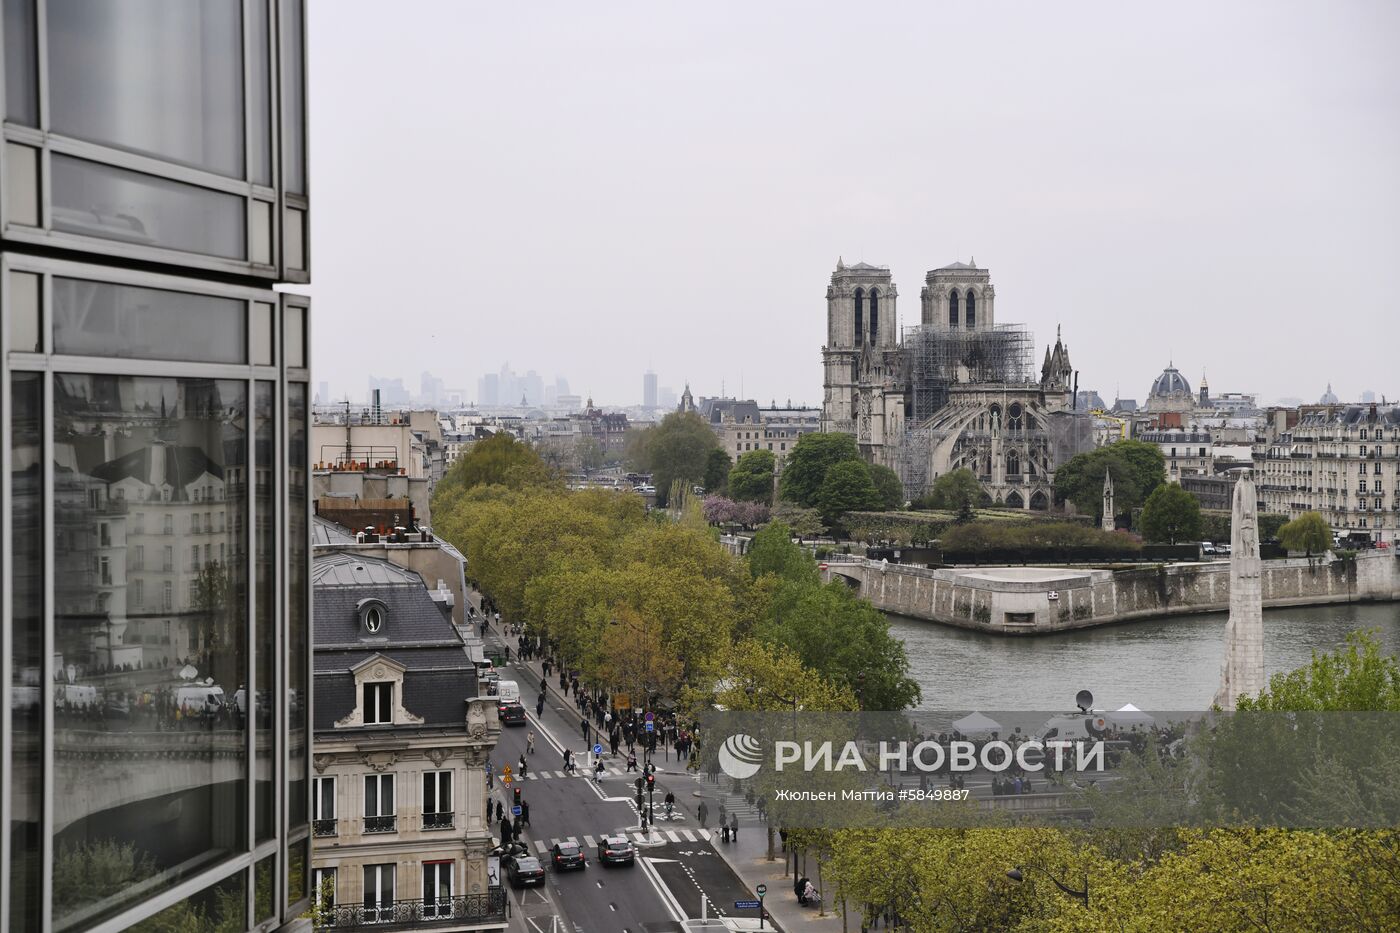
x: 1147, y: 184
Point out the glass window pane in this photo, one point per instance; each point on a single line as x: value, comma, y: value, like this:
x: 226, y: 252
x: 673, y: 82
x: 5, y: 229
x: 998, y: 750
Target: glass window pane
x: 220, y: 907
x: 260, y: 107
x: 21, y: 63
x: 163, y: 77
x: 294, y: 239
x: 264, y: 897
x: 22, y: 184
x: 293, y: 100
x: 25, y: 333
x: 150, y: 757
x: 298, y: 605
x: 260, y: 232
x: 265, y: 608
x: 262, y: 335
x: 24, y: 546
x: 129, y: 321
x: 297, y: 878
x: 115, y: 204
x: 296, y: 336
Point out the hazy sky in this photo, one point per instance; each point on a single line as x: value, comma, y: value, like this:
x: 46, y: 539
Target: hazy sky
x: 586, y: 189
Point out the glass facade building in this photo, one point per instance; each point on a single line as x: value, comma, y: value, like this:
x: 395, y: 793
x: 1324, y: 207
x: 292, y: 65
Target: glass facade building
x: 154, y: 538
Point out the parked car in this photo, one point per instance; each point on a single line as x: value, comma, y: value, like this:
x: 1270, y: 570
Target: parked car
x: 1207, y: 548
x: 523, y: 870
x: 512, y: 714
x: 488, y: 681
x: 567, y: 856
x: 616, y: 850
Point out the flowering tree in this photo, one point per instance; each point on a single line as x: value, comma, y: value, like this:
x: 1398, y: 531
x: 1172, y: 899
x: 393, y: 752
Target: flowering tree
x: 718, y: 509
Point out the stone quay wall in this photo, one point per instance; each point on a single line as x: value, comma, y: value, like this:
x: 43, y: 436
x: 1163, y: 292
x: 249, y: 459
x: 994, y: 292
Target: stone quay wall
x: 1029, y: 601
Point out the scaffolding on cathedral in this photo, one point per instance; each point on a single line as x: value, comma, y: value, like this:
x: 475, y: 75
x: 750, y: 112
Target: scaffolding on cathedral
x: 939, y: 358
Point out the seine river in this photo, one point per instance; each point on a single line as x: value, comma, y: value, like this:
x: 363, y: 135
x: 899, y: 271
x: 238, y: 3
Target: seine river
x: 1162, y: 664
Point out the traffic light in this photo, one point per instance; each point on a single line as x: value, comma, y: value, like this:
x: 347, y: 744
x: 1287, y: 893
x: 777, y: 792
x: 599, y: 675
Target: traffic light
x: 651, y: 783
x: 517, y: 796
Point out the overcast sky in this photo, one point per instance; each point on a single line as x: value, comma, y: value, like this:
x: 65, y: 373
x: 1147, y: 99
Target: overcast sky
x: 589, y: 189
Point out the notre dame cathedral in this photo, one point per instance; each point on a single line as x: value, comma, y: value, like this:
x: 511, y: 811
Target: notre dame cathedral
x: 956, y: 390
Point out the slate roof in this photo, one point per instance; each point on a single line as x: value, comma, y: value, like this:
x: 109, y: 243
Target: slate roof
x: 183, y: 465
x: 326, y: 532
x: 439, y: 675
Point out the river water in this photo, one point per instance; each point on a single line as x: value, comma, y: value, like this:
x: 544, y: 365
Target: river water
x: 1162, y: 664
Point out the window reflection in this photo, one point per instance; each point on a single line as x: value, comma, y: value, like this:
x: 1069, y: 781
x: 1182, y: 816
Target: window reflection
x: 150, y: 753
x: 298, y: 622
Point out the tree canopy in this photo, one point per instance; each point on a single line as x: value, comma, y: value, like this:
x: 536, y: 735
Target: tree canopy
x: 1171, y: 515
x: 717, y: 466
x: 806, y: 466
x: 1308, y: 532
x: 953, y: 491
x: 678, y: 448
x: 888, y: 485
x: 751, y: 479
x: 1356, y: 677
x: 847, y: 487
x: 499, y: 460
x: 1137, y: 468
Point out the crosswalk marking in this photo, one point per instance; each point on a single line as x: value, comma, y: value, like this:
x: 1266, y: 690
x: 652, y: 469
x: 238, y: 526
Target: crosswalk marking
x: 704, y: 834
x: 540, y: 846
x: 689, y: 836
x: 671, y: 834
x: 589, y: 841
x: 571, y: 841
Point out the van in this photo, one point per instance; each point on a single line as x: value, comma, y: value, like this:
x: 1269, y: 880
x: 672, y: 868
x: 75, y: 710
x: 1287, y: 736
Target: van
x: 196, y: 698
x: 508, y: 691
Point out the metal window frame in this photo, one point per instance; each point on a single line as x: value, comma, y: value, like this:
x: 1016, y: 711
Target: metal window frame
x: 46, y: 364
x: 47, y: 143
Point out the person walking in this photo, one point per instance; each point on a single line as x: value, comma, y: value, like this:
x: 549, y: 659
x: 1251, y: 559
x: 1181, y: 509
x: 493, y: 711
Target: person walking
x: 524, y: 813
x: 522, y: 767
x: 702, y: 813
x: 539, y: 705
x: 505, y: 831
x: 598, y: 773
x: 568, y: 761
x: 500, y: 810
x: 530, y: 742
x: 734, y: 826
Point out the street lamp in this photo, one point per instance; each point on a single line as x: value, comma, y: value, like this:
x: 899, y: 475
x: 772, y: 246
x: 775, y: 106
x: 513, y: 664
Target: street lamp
x: 1018, y: 874
x: 751, y: 690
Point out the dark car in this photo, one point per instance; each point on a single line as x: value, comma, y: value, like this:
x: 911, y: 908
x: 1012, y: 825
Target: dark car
x: 567, y: 856
x: 616, y: 850
x: 488, y: 682
x: 512, y: 714
x: 523, y: 870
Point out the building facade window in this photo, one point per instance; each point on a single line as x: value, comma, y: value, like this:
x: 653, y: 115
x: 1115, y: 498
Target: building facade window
x: 874, y: 316
x: 379, y: 892
x: 323, y: 806
x: 437, y: 889
x: 379, y: 803
x: 379, y: 703
x: 953, y: 317
x: 437, y: 800
x: 971, y: 310
x: 860, y: 316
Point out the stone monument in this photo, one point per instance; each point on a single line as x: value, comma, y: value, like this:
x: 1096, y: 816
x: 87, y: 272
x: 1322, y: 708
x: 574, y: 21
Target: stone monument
x: 1243, y: 670
x: 1106, y: 523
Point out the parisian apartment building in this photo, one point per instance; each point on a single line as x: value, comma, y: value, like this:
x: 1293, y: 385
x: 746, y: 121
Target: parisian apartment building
x: 154, y: 467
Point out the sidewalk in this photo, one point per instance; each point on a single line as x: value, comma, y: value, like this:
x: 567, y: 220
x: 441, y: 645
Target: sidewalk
x: 748, y: 856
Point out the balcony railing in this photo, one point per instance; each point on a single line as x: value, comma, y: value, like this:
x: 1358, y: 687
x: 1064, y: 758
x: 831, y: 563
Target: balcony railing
x: 323, y: 827
x: 467, y: 907
x: 437, y: 820
x: 381, y: 824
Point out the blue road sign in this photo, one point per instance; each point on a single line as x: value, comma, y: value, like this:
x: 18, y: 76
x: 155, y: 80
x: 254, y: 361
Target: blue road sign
x: 651, y: 726
x: 515, y: 811
x: 746, y: 905
x: 649, y: 717
x: 597, y: 749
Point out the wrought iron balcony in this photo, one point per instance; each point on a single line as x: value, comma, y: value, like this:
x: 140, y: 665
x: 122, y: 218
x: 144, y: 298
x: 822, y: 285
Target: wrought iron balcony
x: 437, y: 820
x: 381, y: 824
x: 323, y: 827
x: 419, y: 914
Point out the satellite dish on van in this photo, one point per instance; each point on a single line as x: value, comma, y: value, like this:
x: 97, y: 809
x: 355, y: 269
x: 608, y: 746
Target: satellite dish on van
x: 1084, y: 700
x: 187, y: 672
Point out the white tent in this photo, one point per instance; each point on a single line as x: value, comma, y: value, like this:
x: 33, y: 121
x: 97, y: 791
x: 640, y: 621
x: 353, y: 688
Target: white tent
x: 975, y: 724
x: 1130, y: 715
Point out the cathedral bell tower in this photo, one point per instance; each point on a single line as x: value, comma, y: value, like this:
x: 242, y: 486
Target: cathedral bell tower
x: 862, y: 383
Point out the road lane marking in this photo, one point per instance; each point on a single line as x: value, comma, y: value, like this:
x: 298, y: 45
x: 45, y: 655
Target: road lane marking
x: 704, y: 834
x: 668, y: 900
x: 540, y: 846
x: 689, y: 836
x: 588, y: 840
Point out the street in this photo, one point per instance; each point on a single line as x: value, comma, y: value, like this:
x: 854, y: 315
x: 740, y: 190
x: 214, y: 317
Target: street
x: 676, y: 864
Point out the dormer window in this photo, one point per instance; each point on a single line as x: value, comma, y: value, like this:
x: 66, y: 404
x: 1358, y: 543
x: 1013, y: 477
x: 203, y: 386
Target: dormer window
x: 379, y: 704
x: 373, y: 614
x: 373, y: 619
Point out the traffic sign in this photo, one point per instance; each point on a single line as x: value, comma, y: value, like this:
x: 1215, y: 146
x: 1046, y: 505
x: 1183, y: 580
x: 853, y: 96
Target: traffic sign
x: 505, y: 779
x: 746, y: 905
x: 515, y: 811
x: 649, y: 717
x: 598, y: 749
x: 651, y: 726
x: 506, y: 770
x: 761, y: 890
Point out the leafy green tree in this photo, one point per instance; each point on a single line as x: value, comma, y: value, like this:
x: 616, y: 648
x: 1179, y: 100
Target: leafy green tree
x: 953, y: 491
x: 1308, y: 532
x: 1269, y: 525
x: 888, y: 485
x: 589, y: 453
x: 1356, y: 677
x: 1137, y: 468
x: 772, y: 551
x: 846, y: 488
x: 1171, y: 514
x: 806, y: 466
x: 717, y: 466
x: 498, y: 460
x: 804, y: 522
x: 751, y: 480
x: 678, y: 449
